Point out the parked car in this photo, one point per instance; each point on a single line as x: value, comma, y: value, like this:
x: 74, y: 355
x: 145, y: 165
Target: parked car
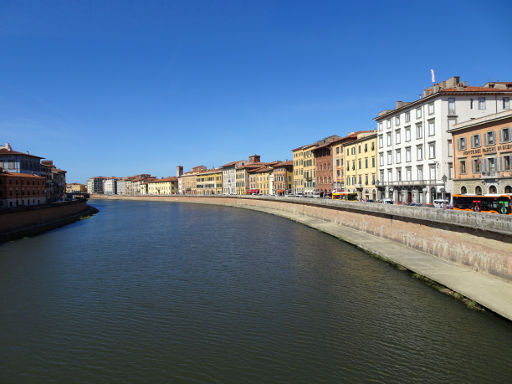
x: 315, y: 195
x: 387, y: 201
x: 413, y: 204
x: 439, y: 203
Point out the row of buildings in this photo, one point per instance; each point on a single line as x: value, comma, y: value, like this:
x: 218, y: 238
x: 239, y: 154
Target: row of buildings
x: 28, y: 180
x: 454, y: 139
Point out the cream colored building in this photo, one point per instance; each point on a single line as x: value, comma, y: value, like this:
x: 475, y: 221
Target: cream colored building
x: 361, y: 168
x: 165, y: 186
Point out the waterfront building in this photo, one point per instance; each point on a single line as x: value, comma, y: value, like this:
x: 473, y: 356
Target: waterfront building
x: 261, y: 180
x: 323, y: 165
x: 164, y: 186
x: 21, y: 189
x: 209, y: 182
x: 189, y: 180
x: 243, y: 174
x: 133, y: 183
x: 121, y: 186
x: 283, y: 178
x: 483, y: 155
x: 55, y: 181
x: 229, y: 186
x: 415, y: 146
x: 110, y: 186
x: 338, y: 160
x: 75, y: 187
x: 298, y: 169
x: 19, y: 162
x: 95, y: 184
x: 304, y: 166
x: 361, y: 165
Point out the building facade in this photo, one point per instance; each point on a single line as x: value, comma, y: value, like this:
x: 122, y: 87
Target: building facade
x: 361, y: 167
x: 283, y: 178
x: 75, y: 187
x: 110, y: 186
x: 483, y: 155
x: 209, y: 182
x: 414, y: 143
x: 19, y: 162
x: 229, y: 180
x: 164, y: 186
x: 21, y: 189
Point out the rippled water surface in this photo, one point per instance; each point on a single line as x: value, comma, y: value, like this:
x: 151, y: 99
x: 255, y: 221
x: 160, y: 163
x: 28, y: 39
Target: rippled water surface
x: 148, y: 292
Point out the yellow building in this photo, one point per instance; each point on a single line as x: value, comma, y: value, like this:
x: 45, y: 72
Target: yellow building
x: 309, y: 170
x: 75, y: 187
x: 298, y: 170
x: 166, y: 186
x: 262, y: 181
x: 209, y: 182
x: 243, y: 177
x: 361, y: 166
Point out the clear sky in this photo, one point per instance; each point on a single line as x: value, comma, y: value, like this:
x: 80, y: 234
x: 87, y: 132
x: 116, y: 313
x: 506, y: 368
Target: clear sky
x: 125, y: 87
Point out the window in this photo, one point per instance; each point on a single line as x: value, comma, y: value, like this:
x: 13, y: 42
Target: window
x: 419, y: 131
x: 432, y: 150
x: 359, y: 149
x: 451, y: 106
x: 381, y: 141
x: 390, y: 157
x: 419, y: 171
x: 353, y: 150
x: 373, y: 145
x: 431, y: 128
x: 489, y: 138
x: 408, y: 134
x: 476, y: 165
x: 419, y: 152
x: 471, y: 104
x: 381, y: 159
x: 408, y: 173
x: 431, y: 108
x: 475, y: 141
x: 366, y: 179
x: 506, y: 162
x: 461, y: 144
x: 418, y: 113
x: 366, y: 162
x: 407, y: 116
x: 380, y: 126
x: 359, y: 179
x: 450, y: 148
x: 462, y: 166
x: 397, y: 121
x: 408, y: 154
x: 504, y: 135
x: 398, y: 156
x: 390, y: 175
x: 359, y: 164
x: 388, y: 136
x: 432, y: 170
x: 399, y: 174
x: 506, y: 103
x: 337, y: 150
x: 388, y: 123
x: 373, y: 161
x: 481, y: 103
x: 366, y: 147
x: 490, y: 164
x: 397, y: 136
x: 373, y: 178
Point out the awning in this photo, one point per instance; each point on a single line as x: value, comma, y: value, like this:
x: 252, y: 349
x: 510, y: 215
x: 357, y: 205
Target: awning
x: 281, y: 191
x: 254, y: 191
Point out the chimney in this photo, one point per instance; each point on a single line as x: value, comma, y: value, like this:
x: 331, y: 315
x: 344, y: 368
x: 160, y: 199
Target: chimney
x: 254, y: 159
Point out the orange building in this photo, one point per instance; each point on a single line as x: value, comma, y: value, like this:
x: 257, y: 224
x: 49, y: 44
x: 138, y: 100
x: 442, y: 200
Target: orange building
x: 483, y: 155
x: 21, y: 189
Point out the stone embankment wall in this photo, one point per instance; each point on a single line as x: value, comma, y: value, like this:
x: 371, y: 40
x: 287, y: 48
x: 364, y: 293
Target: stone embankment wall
x: 33, y: 220
x: 479, y: 240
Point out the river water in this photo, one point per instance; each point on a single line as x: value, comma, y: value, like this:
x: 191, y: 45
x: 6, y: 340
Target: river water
x: 151, y: 292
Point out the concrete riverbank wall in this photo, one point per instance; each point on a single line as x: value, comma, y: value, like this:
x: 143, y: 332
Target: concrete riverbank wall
x: 33, y: 220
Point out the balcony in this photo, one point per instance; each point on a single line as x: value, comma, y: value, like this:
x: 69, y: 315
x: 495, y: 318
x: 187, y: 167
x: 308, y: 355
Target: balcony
x: 404, y: 183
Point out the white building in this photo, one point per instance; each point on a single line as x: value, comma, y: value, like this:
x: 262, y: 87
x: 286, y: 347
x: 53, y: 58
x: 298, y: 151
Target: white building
x: 121, y: 187
x: 95, y: 185
x: 110, y: 186
x: 180, y: 185
x: 229, y: 176
x: 415, y: 149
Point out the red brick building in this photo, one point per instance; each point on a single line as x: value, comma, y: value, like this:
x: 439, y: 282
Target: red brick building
x: 21, y: 189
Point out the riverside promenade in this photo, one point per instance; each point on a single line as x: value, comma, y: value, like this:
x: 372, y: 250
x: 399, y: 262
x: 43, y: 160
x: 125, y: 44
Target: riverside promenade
x: 469, y: 253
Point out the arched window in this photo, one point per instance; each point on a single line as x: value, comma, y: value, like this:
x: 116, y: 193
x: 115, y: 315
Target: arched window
x: 478, y: 190
x: 508, y: 189
x: 492, y: 189
x: 463, y: 190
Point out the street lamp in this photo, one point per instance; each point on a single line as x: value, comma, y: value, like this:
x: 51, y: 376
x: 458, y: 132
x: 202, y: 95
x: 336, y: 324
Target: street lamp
x: 444, y: 178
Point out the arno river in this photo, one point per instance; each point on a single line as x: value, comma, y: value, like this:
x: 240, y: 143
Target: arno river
x: 148, y: 292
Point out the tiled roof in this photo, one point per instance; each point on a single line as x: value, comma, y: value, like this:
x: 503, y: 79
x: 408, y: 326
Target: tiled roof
x: 283, y: 164
x: 5, y: 151
x: 16, y: 174
x: 475, y: 89
x: 166, y: 179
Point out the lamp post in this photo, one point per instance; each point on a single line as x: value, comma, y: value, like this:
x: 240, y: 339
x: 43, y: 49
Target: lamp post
x: 444, y: 178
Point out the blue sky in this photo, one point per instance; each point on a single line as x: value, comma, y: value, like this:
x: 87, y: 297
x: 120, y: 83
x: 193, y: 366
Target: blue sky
x: 125, y: 87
